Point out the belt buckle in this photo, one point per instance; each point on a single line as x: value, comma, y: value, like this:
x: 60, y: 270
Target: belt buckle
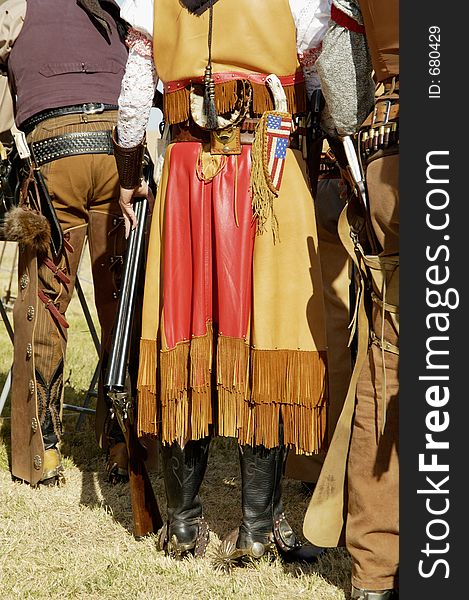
x: 387, y: 111
x: 226, y: 141
x: 92, y: 108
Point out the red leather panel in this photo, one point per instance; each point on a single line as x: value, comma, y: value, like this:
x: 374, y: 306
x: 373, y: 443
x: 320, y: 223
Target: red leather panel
x: 208, y: 245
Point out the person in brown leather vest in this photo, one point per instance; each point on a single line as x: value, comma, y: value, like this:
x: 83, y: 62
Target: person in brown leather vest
x: 363, y: 460
x: 66, y: 97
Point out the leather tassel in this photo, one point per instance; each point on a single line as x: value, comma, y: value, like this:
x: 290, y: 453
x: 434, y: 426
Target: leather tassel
x: 210, y: 110
x: 209, y: 107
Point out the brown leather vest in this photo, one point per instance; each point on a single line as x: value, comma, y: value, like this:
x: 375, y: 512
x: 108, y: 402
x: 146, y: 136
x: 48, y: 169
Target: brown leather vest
x: 60, y: 59
x: 257, y: 37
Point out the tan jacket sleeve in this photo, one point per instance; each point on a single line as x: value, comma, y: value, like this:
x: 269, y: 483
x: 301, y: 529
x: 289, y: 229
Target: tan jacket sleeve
x: 12, y: 13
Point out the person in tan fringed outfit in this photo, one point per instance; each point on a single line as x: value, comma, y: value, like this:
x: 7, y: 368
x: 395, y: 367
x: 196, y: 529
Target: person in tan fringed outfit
x: 360, y: 476
x: 64, y: 69
x: 233, y: 338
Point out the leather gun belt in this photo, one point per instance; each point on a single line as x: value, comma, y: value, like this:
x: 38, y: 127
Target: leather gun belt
x: 69, y: 144
x: 190, y: 132
x: 91, y: 108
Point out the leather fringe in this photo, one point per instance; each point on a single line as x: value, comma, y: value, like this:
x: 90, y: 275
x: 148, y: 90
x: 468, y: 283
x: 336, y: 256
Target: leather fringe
x: 201, y: 357
x: 294, y: 377
x: 261, y: 193
x: 176, y: 104
x: 286, y: 384
x: 291, y: 384
x: 262, y: 100
x: 233, y: 385
x: 146, y: 385
x: 186, y: 395
x: 305, y: 428
x: 201, y: 352
x: 174, y: 366
x: 296, y: 98
x: 226, y: 96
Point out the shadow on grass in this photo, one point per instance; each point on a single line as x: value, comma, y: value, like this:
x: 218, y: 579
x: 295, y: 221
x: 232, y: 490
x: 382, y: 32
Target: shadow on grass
x: 220, y: 490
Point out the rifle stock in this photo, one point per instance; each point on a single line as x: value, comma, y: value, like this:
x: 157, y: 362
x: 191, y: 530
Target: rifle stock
x: 145, y: 510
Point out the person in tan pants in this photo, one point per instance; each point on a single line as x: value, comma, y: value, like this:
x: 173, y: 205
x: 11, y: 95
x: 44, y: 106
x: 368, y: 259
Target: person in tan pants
x: 67, y: 122
x: 356, y: 499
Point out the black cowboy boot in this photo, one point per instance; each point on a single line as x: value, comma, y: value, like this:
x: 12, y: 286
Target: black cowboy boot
x: 264, y: 527
x: 183, y: 470
x: 258, y: 484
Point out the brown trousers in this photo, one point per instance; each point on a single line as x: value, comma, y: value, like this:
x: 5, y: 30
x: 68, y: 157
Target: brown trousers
x: 359, y: 479
x: 84, y: 190
x: 372, y: 524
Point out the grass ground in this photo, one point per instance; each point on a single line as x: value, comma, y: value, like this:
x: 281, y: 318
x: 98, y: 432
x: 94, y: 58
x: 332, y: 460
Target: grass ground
x: 75, y: 542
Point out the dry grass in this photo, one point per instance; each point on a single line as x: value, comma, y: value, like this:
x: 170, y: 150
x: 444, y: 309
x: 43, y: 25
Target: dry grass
x: 75, y: 542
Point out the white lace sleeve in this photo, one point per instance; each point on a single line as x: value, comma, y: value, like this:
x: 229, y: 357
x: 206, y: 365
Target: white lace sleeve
x: 311, y: 19
x: 137, y: 91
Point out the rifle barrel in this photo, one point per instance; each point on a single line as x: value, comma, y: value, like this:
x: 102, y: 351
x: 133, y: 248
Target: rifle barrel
x: 117, y: 365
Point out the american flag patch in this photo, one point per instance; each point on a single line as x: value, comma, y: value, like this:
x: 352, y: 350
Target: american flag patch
x: 277, y: 133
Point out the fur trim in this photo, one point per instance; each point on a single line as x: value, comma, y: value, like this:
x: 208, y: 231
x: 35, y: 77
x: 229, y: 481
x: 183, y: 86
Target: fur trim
x: 28, y: 227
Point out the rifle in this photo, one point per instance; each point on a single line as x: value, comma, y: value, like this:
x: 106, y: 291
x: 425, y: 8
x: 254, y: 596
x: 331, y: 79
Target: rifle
x: 145, y: 510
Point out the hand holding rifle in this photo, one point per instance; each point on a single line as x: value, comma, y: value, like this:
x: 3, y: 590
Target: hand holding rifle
x: 146, y: 514
x: 126, y: 198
